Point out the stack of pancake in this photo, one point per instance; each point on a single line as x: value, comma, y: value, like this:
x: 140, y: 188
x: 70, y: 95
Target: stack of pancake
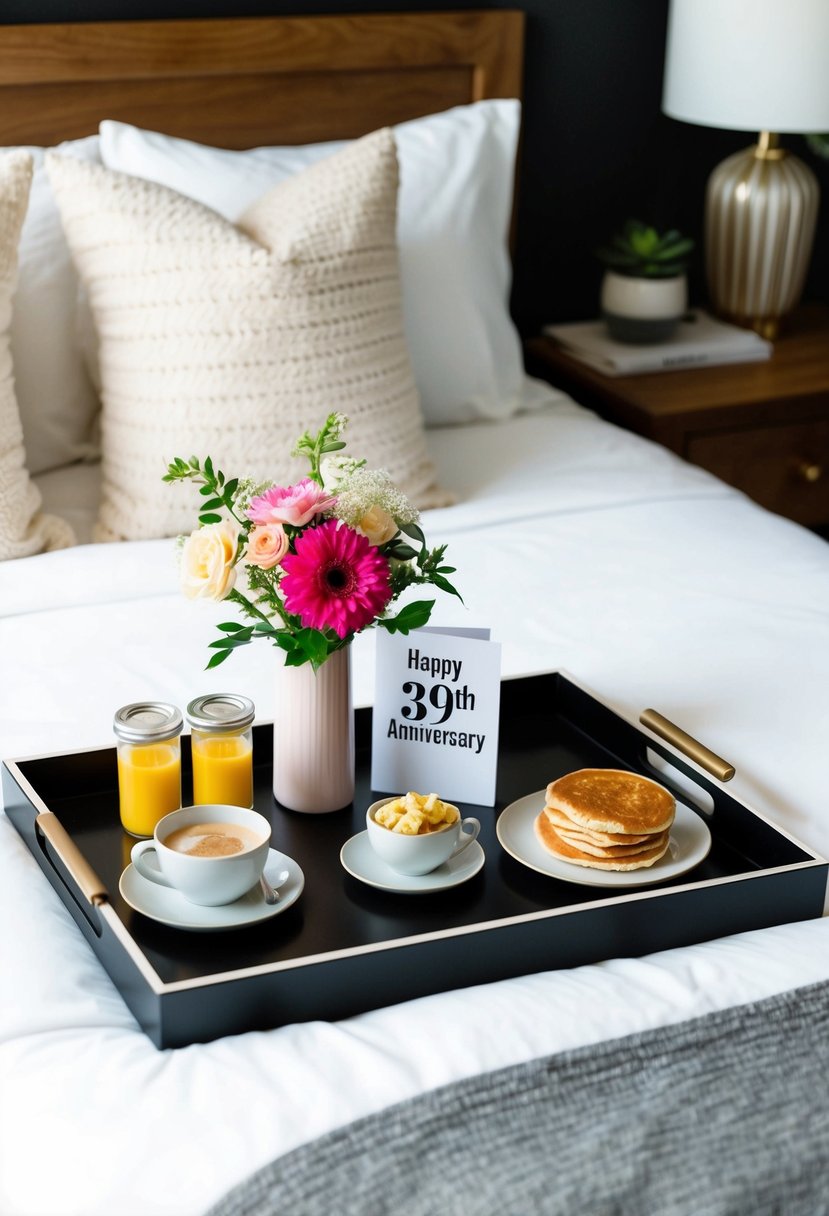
x: 606, y: 819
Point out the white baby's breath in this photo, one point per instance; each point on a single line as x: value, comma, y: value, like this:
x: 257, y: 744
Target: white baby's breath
x: 366, y: 488
x: 336, y: 469
x: 249, y: 489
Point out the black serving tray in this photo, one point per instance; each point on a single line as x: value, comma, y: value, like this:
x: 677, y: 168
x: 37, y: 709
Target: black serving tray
x: 346, y: 947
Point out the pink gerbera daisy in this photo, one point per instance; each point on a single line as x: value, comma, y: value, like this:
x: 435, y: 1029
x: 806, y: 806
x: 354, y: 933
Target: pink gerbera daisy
x: 336, y: 579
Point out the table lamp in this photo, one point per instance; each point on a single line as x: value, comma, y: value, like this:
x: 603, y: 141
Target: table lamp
x: 753, y: 65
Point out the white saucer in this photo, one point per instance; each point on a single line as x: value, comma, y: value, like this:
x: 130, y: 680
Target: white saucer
x: 690, y: 842
x: 171, y: 908
x: 359, y: 859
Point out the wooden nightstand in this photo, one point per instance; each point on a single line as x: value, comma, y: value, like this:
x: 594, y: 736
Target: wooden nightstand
x: 763, y: 427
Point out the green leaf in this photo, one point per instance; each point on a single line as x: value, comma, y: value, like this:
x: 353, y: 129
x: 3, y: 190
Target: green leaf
x: 176, y: 469
x: 313, y: 644
x: 401, y: 551
x: 208, y: 467
x: 231, y: 487
x: 415, y: 532
x: 672, y: 253
x: 217, y: 659
x: 210, y: 518
x: 205, y: 491
x: 230, y: 626
x: 285, y: 642
x: 413, y: 616
x: 445, y: 585
x: 266, y: 631
x: 231, y: 643
x: 194, y: 462
x: 645, y: 240
x: 212, y: 504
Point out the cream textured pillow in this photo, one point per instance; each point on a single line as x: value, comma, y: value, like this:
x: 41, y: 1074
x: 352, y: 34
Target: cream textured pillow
x: 23, y: 530
x: 230, y: 340
x: 453, y: 213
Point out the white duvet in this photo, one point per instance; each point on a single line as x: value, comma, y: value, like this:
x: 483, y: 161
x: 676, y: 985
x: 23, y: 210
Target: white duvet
x: 582, y: 548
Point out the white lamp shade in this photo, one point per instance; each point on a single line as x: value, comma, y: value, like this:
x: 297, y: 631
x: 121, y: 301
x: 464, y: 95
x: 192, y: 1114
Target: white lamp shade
x: 749, y: 65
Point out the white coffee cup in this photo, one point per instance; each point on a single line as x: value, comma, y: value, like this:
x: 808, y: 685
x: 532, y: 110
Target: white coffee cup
x: 416, y: 855
x: 206, y: 880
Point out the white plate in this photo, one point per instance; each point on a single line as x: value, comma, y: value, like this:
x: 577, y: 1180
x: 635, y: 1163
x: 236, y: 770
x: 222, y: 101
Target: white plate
x: 171, y: 908
x: 359, y: 859
x: 690, y: 842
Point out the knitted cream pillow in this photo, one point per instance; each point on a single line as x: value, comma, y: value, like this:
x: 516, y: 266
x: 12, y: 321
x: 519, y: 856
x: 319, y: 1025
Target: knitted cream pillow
x: 231, y: 340
x: 23, y: 530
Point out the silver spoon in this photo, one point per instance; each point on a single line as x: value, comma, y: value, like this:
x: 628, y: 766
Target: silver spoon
x: 272, y: 893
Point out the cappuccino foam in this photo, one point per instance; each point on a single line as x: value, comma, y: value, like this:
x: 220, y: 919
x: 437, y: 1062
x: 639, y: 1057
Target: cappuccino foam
x: 212, y: 839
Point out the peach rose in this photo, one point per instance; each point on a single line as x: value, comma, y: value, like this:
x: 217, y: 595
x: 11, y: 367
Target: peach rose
x: 207, y: 561
x: 377, y: 526
x: 267, y: 545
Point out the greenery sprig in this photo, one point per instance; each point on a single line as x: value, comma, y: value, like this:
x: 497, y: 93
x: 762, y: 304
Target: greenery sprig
x: 317, y: 447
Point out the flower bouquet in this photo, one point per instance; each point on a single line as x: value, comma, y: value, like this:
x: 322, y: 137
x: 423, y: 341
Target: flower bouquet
x: 322, y: 560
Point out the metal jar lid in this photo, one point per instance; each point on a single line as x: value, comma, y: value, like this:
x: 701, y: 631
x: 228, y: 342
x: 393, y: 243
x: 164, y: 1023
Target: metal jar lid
x: 219, y: 711
x: 147, y: 722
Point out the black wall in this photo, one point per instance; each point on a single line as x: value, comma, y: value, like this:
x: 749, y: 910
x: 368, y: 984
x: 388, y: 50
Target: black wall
x: 596, y: 147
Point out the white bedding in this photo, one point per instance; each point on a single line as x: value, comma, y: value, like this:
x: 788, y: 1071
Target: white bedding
x: 583, y: 548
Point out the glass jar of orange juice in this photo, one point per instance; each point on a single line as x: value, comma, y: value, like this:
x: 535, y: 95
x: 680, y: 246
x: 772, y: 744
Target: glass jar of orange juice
x: 149, y: 763
x: 222, y: 745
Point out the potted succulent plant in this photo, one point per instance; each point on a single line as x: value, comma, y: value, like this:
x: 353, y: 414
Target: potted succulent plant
x: 644, y: 290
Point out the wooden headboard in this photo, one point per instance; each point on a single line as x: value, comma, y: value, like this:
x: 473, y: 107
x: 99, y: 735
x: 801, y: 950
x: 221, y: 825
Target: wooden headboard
x: 236, y: 83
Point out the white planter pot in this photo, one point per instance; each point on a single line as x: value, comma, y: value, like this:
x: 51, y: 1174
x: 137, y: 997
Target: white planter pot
x: 642, y: 310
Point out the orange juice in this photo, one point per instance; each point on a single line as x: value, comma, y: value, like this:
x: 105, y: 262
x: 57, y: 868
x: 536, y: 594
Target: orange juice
x: 222, y: 769
x: 149, y: 783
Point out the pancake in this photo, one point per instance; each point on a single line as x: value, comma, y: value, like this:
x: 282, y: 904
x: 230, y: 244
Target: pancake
x: 612, y: 850
x: 551, y: 841
x: 570, y: 829
x: 612, y: 801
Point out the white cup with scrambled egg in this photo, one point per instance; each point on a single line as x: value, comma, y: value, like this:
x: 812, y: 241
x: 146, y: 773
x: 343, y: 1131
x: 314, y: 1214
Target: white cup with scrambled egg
x: 415, y: 833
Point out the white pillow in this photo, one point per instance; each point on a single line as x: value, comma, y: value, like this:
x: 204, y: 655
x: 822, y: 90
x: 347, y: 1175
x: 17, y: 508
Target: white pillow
x: 57, y: 401
x: 24, y: 530
x: 454, y: 206
x: 232, y: 339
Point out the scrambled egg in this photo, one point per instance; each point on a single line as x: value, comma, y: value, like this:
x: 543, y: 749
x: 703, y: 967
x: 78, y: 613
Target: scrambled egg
x: 416, y: 814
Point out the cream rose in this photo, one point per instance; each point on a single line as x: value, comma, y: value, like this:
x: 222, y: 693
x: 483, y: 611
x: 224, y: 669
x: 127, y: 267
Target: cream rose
x: 267, y: 545
x: 377, y: 526
x: 207, y: 556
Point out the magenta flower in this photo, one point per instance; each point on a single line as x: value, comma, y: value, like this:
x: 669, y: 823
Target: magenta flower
x: 296, y: 505
x: 336, y: 579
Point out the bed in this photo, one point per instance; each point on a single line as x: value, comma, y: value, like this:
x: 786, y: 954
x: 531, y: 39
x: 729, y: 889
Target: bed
x: 582, y: 547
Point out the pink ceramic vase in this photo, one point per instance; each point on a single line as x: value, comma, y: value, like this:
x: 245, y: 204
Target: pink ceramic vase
x: 313, y: 736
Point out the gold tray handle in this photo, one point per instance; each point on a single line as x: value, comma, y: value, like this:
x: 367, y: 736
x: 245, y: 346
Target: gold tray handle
x: 696, y: 751
x: 91, y: 887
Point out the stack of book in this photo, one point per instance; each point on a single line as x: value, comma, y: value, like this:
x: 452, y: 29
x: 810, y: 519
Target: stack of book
x: 699, y: 340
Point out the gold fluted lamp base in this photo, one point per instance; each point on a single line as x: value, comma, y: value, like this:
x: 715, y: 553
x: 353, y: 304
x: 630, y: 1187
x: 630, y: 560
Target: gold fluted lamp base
x: 760, y: 215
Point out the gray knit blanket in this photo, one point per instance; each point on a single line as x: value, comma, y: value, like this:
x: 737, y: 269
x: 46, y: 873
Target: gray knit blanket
x: 727, y: 1113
